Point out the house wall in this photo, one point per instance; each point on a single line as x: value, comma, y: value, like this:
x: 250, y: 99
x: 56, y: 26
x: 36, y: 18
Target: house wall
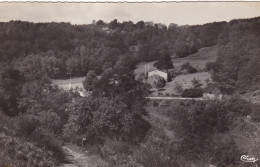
x: 157, y: 72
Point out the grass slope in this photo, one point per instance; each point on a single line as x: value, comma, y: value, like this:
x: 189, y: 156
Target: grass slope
x: 199, y: 59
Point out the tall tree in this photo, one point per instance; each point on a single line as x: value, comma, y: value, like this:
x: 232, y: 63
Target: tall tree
x: 11, y: 81
x: 164, y: 62
x: 89, y: 81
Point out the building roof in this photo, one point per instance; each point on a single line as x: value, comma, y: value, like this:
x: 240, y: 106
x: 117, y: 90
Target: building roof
x: 157, y: 70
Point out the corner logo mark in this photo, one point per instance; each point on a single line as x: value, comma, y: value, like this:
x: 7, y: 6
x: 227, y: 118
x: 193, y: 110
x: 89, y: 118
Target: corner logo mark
x: 246, y: 158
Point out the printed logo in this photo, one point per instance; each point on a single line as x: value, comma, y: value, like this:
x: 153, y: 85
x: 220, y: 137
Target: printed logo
x: 246, y: 158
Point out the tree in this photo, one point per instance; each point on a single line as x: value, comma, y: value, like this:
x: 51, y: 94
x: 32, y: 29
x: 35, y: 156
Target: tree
x: 164, y: 62
x: 98, y: 118
x: 11, y: 81
x: 215, y: 118
x: 192, y: 93
x: 178, y: 88
x: 140, y: 24
x: 196, y: 83
x: 214, y: 66
x: 89, y: 80
x: 160, y: 83
x: 100, y: 23
x: 189, y: 68
x: 182, y: 49
x: 114, y: 24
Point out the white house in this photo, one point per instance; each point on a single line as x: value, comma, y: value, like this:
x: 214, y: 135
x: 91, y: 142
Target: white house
x: 158, y: 72
x: 208, y: 96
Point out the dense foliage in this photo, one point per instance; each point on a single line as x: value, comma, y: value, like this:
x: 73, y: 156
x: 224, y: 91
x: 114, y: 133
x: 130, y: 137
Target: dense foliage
x: 210, y: 131
x: 62, y: 49
x: 192, y: 92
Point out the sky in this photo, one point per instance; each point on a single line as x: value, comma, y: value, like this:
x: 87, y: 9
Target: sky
x: 181, y: 13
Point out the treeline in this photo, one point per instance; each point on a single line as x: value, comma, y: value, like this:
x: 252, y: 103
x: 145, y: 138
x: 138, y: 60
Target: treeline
x: 237, y: 68
x: 63, y: 49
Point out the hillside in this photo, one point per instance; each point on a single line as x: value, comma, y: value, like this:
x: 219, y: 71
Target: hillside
x: 199, y: 59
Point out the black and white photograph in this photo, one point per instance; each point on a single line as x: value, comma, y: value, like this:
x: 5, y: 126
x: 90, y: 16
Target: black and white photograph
x: 130, y: 84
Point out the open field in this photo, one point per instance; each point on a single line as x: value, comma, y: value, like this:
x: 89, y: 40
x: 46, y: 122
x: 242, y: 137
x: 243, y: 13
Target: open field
x: 185, y: 81
x: 199, y: 60
x: 65, y: 83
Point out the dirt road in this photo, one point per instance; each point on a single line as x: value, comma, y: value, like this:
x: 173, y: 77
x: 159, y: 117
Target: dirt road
x: 79, y: 158
x: 173, y: 98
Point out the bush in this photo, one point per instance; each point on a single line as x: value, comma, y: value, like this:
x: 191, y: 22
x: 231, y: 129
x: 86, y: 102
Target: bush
x: 178, y: 88
x: 202, y: 129
x: 189, y: 68
x: 240, y: 106
x: 155, y: 103
x: 16, y: 152
x: 89, y: 80
x: 116, y: 152
x: 192, y: 93
x: 196, y: 83
x: 100, y: 118
x: 256, y: 113
x: 212, y: 66
x: 160, y: 83
x: 173, y: 74
x: 46, y: 139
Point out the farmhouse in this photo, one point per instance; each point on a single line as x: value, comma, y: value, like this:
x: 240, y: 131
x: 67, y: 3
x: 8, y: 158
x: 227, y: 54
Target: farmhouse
x: 162, y: 74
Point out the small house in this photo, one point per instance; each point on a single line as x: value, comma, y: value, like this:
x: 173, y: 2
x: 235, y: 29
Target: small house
x: 162, y: 74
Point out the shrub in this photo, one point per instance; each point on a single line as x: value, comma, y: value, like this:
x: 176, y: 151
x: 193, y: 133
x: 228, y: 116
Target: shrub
x: 179, y: 88
x: 96, y: 119
x: 160, y: 94
x: 116, y: 152
x: 173, y: 74
x: 46, y: 139
x: 89, y: 80
x: 189, y: 68
x: 196, y: 83
x: 157, y: 151
x: 157, y: 81
x: 26, y: 124
x: 155, y: 103
x: 15, y: 152
x: 212, y: 66
x: 239, y: 106
x: 160, y: 83
x: 207, y: 81
x: 202, y: 129
x: 256, y: 113
x: 192, y: 93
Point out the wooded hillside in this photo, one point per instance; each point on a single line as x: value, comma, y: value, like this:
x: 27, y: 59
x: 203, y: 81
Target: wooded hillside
x: 63, y: 49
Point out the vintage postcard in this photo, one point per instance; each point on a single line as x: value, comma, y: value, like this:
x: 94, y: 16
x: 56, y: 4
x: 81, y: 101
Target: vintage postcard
x: 129, y: 84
